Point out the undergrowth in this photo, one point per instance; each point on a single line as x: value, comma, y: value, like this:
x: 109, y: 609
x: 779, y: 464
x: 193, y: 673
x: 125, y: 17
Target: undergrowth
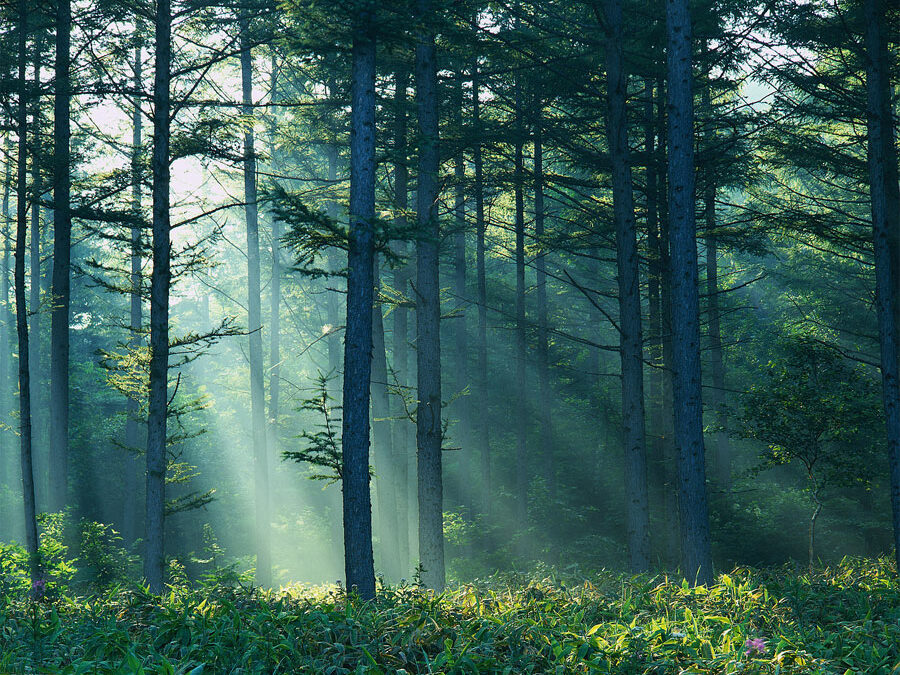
x: 843, y: 619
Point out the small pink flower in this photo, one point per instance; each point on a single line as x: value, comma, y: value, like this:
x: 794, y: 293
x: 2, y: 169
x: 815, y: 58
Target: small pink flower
x: 38, y: 588
x: 754, y: 646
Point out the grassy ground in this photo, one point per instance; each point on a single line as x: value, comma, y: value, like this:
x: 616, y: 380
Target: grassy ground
x: 844, y: 619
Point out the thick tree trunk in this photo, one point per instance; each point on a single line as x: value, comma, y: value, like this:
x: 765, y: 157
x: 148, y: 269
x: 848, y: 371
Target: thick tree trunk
x: 400, y: 426
x: 136, y: 315
x: 31, y: 535
x: 483, y: 427
x: 358, y: 559
x: 688, y: 406
x: 882, y: 160
x: 630, y: 333
x: 521, y: 353
x: 545, y: 402
x: 428, y: 314
x: 386, y: 485
x: 254, y: 324
x: 160, y: 281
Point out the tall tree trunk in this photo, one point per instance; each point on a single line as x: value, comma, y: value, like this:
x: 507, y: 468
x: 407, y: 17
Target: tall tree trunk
x: 885, y: 205
x: 461, y: 338
x: 484, y: 441
x: 400, y: 426
x: 667, y: 438
x: 688, y: 408
x: 132, y: 409
x: 254, y: 322
x: 381, y: 434
x: 160, y: 281
x: 428, y: 313
x: 35, y: 330
x: 630, y: 333
x: 721, y: 445
x: 331, y: 297
x: 358, y: 559
x: 275, y: 297
x: 6, y: 320
x: 545, y: 402
x: 31, y: 535
x: 521, y: 353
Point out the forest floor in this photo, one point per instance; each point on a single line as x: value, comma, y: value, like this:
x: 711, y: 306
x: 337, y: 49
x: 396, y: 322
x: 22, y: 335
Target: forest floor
x: 842, y: 619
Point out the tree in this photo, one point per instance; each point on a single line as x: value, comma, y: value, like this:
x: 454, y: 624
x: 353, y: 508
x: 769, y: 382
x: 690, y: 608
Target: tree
x: 688, y: 405
x: 358, y: 557
x: 885, y: 207
x: 254, y: 300
x: 62, y: 244
x: 160, y: 280
x: 429, y: 432
x: 630, y: 331
x: 31, y: 535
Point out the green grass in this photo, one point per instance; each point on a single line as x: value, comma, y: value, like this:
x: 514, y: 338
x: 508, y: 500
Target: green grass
x: 844, y: 619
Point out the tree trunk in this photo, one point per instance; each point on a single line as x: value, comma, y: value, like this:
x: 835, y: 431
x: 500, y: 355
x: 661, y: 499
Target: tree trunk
x: 545, y: 402
x: 428, y: 314
x: 275, y: 298
x: 358, y: 559
x: 484, y: 441
x: 133, y: 405
x: 630, y: 333
x: 254, y: 323
x: 717, y: 361
x: 6, y: 322
x: 461, y: 339
x: 521, y: 353
x: 400, y: 426
x: 885, y: 205
x: 31, y: 535
x: 331, y: 302
x: 42, y: 458
x: 381, y: 434
x: 688, y: 406
x: 160, y: 280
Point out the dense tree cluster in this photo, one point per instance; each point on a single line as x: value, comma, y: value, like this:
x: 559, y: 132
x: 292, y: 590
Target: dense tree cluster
x: 603, y: 283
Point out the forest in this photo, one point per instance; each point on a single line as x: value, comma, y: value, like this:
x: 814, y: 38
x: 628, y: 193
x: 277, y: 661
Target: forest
x: 345, y: 336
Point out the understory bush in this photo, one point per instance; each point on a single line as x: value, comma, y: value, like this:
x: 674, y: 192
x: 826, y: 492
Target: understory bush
x: 842, y: 619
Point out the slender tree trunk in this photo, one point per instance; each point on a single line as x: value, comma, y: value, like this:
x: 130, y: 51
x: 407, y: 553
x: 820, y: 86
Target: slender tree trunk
x: 331, y: 306
x: 254, y: 319
x: 545, y: 402
x: 6, y: 321
x: 428, y: 314
x: 275, y: 298
x: 381, y: 434
x: 358, y: 559
x: 42, y: 459
x: 484, y: 441
x: 716, y: 356
x: 688, y: 409
x: 160, y: 281
x: 400, y: 426
x: 667, y: 438
x: 630, y: 333
x: 461, y: 335
x: 136, y: 319
x: 31, y: 535
x: 885, y: 205
x: 521, y: 354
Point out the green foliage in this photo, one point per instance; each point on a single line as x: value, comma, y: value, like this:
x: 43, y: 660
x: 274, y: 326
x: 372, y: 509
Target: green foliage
x: 834, y: 620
